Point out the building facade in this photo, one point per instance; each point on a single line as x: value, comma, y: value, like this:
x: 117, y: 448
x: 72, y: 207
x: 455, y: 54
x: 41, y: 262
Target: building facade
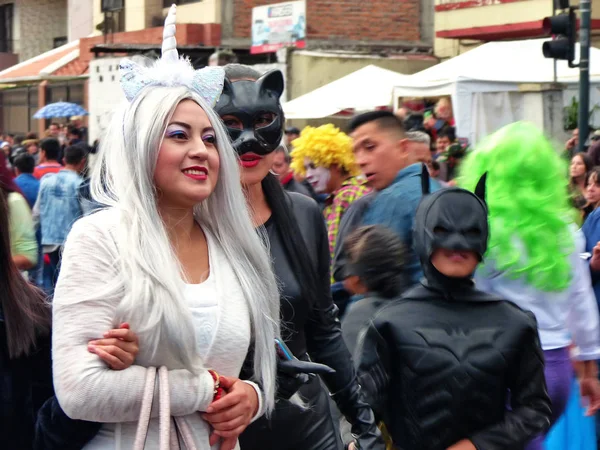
x: 141, y: 14
x: 31, y: 27
x: 341, y: 37
x: 463, y: 24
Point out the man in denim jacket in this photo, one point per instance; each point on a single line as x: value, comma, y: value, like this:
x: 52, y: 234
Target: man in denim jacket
x: 58, y: 207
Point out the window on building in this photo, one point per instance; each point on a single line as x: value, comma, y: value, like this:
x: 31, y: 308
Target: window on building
x: 168, y: 3
x: 6, y: 28
x: 112, y: 5
x: 17, y: 106
x: 59, y: 41
x: 114, y: 16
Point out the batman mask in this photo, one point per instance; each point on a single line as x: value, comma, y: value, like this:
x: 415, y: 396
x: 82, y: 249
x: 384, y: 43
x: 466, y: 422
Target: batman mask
x: 453, y: 219
x: 252, y: 113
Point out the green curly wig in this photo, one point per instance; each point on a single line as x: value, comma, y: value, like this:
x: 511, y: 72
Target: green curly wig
x: 527, y: 198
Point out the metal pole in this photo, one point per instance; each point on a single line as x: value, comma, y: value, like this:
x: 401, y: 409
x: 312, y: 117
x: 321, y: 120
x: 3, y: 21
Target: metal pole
x: 554, y: 6
x: 585, y: 7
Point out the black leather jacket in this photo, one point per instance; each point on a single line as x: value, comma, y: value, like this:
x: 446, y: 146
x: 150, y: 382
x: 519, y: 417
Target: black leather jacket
x: 438, y: 366
x: 316, y: 332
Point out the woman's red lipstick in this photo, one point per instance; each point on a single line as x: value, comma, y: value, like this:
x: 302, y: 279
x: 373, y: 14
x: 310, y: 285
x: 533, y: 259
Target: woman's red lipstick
x: 197, y: 173
x: 249, y: 160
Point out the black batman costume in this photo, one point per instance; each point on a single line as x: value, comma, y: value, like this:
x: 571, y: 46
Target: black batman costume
x: 438, y: 363
x: 299, y: 248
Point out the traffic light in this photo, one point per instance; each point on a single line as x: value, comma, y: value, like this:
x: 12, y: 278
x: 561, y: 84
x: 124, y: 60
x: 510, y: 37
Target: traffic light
x: 564, y: 29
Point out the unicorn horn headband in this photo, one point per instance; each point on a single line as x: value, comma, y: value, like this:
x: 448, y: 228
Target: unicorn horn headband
x: 171, y: 70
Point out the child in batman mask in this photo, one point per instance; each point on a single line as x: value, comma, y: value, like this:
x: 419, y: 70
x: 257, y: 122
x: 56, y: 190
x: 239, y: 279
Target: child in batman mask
x: 439, y: 363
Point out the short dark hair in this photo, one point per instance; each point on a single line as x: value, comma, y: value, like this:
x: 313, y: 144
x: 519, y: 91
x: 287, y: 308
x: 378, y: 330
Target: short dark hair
x: 31, y: 135
x: 377, y: 256
x: 435, y: 165
x: 235, y: 72
x: 75, y: 131
x: 24, y: 162
x: 51, y: 147
x: 74, y: 154
x: 448, y: 132
x: 19, y: 138
x: 54, y: 123
x: 384, y: 119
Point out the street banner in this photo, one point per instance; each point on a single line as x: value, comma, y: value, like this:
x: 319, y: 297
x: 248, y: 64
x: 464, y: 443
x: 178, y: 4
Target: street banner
x: 277, y: 26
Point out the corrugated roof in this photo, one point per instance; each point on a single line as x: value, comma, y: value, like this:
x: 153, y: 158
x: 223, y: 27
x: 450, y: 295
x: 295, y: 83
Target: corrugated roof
x: 75, y: 68
x: 61, y: 61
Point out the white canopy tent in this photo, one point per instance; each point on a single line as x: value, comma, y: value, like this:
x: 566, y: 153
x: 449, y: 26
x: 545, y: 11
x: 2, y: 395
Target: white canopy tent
x: 484, y: 83
x: 368, y: 88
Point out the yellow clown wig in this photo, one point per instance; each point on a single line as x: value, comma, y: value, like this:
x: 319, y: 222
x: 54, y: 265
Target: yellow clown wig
x: 323, y: 146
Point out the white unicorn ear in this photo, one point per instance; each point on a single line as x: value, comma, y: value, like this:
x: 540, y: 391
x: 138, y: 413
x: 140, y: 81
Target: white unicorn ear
x: 133, y: 78
x: 208, y: 82
x: 169, y: 44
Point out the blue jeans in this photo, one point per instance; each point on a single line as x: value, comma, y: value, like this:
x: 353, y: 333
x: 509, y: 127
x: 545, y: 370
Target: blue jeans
x: 51, y: 272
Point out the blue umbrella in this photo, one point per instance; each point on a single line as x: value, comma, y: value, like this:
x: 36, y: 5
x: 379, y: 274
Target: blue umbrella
x: 60, y: 109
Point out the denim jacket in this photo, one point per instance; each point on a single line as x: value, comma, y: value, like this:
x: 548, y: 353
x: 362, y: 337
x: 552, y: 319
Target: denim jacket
x: 58, y: 205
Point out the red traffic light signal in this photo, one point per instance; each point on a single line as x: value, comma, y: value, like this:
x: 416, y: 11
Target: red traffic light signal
x: 557, y: 25
x: 564, y: 29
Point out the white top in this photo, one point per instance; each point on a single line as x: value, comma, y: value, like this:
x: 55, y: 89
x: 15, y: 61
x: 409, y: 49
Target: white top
x: 203, y: 302
x: 87, y: 389
x: 563, y: 317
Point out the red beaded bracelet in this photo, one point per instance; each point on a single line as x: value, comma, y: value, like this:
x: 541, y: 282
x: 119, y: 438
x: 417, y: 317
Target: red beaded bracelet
x: 218, y: 392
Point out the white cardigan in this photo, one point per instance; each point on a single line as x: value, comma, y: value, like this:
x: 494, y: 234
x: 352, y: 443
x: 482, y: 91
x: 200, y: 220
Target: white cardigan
x: 86, y: 388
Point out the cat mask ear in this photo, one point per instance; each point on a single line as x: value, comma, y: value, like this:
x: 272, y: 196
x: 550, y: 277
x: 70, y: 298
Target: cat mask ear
x: 425, y: 184
x: 480, y: 188
x: 272, y: 81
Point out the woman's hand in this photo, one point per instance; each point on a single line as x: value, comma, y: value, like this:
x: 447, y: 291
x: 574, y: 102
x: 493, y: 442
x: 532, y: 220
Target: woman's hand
x: 595, y: 261
x: 118, y: 349
x: 590, y: 388
x: 230, y: 415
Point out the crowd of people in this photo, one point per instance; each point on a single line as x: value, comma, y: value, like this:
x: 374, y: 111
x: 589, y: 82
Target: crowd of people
x: 216, y: 281
x: 42, y: 180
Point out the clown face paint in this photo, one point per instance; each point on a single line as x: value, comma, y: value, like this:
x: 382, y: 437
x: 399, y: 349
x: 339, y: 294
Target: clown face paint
x: 318, y: 177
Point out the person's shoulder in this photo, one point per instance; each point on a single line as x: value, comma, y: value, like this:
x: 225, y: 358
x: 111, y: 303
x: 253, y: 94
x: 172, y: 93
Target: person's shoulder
x: 517, y: 316
x: 47, y: 177
x: 305, y: 209
x: 509, y: 311
x: 351, y: 193
x: 594, y: 217
x: 391, y: 311
x: 302, y: 202
x: 363, y: 201
x: 300, y: 188
x: 16, y: 199
x: 99, y: 222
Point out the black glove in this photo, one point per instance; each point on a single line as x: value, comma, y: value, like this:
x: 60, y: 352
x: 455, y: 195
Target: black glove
x: 294, y: 373
x: 360, y: 415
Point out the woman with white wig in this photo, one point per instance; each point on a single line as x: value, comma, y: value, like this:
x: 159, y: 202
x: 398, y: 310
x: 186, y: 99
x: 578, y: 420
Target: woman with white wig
x: 176, y: 256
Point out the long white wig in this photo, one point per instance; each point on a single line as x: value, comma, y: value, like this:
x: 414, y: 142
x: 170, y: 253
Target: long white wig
x: 153, y: 301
